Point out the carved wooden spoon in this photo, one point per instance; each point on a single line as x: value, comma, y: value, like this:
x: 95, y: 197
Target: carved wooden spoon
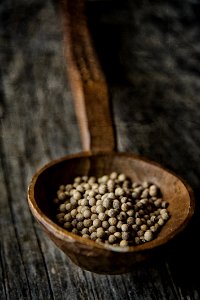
x: 91, y: 100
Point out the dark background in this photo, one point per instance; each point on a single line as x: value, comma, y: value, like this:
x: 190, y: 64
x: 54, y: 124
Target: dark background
x: 150, y: 52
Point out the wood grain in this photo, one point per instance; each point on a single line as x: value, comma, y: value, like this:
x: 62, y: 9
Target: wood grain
x: 89, y: 88
x: 156, y: 115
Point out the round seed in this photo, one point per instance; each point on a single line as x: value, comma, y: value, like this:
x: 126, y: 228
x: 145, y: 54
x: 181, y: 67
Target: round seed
x: 148, y: 235
x: 68, y: 217
x: 121, y: 177
x: 100, y: 232
x: 112, y: 212
x: 96, y: 223
x: 113, y: 175
x: 112, y: 239
x: 92, y: 201
x: 116, y: 204
x: 119, y: 191
x: 118, y: 234
x: 105, y: 224
x: 87, y: 213
x: 124, y: 227
x: 112, y: 229
x: 107, y: 203
x: 87, y: 223
x: 85, y: 231
x: 102, y: 216
x: 112, y: 221
x: 123, y: 243
x: 79, y: 225
x: 93, y: 236
x: 100, y: 209
x: 94, y: 216
x: 125, y: 235
x: 92, y: 229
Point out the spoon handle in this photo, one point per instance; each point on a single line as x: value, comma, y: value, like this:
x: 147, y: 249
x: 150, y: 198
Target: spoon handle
x: 87, y: 82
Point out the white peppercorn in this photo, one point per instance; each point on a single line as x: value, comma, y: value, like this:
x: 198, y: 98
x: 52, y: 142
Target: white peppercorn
x: 122, y: 216
x: 68, y: 206
x: 112, y: 229
x: 100, y: 209
x: 73, y: 201
x: 96, y: 223
x: 79, y: 217
x: 91, y: 180
x: 87, y: 213
x: 119, y: 224
x: 102, y: 216
x: 118, y: 234
x: 74, y: 222
x: 123, y: 243
x: 93, y: 217
x: 111, y: 195
x: 135, y: 227
x: 112, y: 212
x: 79, y: 225
x: 140, y: 233
x: 153, y: 190
x: 102, y: 189
x: 130, y: 212
x: 143, y: 227
x: 161, y: 222
x: 112, y: 239
x: 100, y: 232
x: 125, y: 235
x: 93, y: 209
x: 165, y: 216
x: 125, y: 207
x: 85, y: 231
x: 61, y: 195
x: 92, y: 229
x: 107, y: 203
x: 113, y: 175
x: 119, y: 191
x: 158, y: 202
x: 93, y: 236
x: 87, y: 223
x: 112, y: 221
x: 130, y: 220
x: 68, y: 217
x: 92, y: 201
x: 124, y: 227
x: 105, y: 224
x: 148, y: 235
x: 116, y: 204
x: 138, y: 221
x: 121, y: 177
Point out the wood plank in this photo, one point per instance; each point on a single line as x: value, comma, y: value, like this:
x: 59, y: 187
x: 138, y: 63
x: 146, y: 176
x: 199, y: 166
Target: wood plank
x: 156, y: 110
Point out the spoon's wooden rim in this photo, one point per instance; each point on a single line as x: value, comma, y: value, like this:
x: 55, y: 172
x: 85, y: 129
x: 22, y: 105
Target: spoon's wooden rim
x: 64, y: 235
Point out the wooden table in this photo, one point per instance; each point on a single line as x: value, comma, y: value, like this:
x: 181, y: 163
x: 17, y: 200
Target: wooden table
x: 150, y: 52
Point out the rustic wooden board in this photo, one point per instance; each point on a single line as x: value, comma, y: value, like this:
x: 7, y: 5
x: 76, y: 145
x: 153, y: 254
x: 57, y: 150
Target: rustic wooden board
x: 150, y: 53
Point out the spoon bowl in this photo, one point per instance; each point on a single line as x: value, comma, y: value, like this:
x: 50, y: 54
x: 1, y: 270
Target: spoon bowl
x: 92, y: 106
x: 92, y: 256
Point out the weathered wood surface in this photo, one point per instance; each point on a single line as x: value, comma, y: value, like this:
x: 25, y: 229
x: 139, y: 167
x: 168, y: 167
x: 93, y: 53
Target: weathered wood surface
x: 150, y: 53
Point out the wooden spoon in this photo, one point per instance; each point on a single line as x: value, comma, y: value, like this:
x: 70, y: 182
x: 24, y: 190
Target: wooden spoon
x: 99, y: 157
